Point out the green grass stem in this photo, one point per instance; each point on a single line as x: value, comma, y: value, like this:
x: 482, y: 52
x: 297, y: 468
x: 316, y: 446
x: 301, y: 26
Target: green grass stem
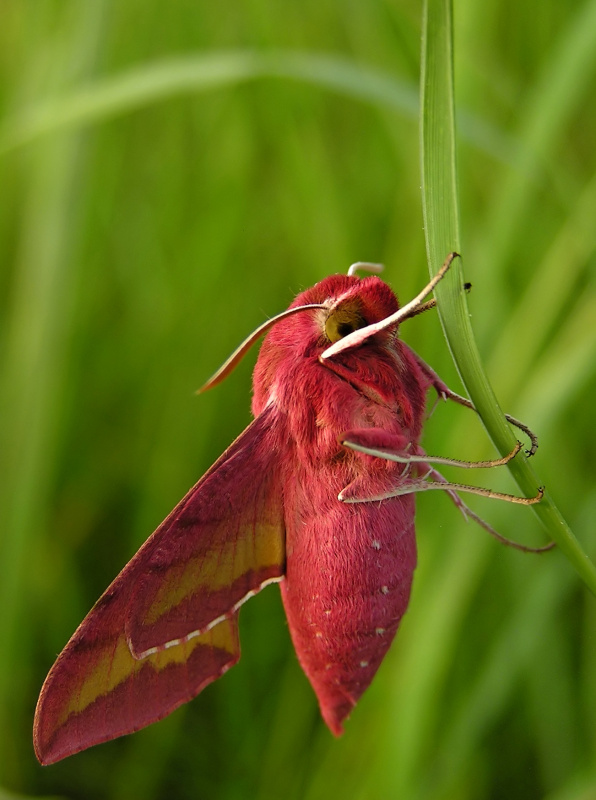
x: 441, y: 224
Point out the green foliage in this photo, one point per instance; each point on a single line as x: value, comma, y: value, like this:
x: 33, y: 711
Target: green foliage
x: 171, y: 175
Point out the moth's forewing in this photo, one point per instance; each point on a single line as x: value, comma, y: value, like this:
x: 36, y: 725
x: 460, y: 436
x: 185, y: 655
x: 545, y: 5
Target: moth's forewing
x: 97, y: 691
x: 175, y: 604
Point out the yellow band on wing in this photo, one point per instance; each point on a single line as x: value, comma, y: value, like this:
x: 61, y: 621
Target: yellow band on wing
x: 115, y: 665
x: 253, y: 549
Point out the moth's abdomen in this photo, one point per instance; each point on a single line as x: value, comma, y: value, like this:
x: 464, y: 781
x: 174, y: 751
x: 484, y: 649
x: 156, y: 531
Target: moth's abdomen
x: 348, y: 580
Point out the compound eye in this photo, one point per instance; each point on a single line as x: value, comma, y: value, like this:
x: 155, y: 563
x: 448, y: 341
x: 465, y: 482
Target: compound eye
x: 342, y: 322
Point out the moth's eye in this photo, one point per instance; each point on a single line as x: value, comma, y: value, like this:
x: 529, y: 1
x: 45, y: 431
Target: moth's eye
x: 342, y: 322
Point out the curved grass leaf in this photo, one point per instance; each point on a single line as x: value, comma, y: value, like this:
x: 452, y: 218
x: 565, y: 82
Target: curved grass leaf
x: 142, y: 86
x: 441, y: 221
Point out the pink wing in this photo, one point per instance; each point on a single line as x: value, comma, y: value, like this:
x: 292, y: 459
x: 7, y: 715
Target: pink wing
x: 168, y: 624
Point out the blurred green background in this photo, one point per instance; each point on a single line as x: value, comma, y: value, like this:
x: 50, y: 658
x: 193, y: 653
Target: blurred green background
x: 171, y: 175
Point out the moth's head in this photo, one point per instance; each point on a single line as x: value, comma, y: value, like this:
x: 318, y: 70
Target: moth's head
x: 316, y: 319
x: 341, y: 314
x: 330, y: 311
x: 348, y: 303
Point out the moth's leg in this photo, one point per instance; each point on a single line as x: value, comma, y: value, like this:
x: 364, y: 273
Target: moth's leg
x: 378, y: 443
x: 414, y: 485
x: 356, y: 492
x: 445, y: 393
x: 469, y: 514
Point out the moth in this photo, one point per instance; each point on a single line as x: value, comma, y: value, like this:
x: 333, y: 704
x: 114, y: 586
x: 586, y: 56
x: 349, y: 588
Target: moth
x: 317, y: 494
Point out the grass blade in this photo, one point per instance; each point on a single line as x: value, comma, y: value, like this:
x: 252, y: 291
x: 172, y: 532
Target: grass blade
x: 441, y: 222
x: 138, y: 87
